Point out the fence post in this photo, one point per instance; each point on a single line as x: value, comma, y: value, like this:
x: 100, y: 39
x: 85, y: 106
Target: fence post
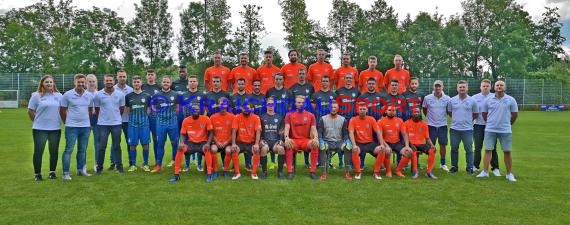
x: 524, y: 92
x: 18, y: 92
x: 542, y: 97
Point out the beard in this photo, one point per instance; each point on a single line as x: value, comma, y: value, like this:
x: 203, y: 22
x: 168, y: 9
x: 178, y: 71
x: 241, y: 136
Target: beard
x: 195, y: 116
x: 391, y: 116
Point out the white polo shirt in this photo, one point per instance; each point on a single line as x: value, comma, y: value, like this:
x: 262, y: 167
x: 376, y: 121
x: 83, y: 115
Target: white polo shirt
x: 499, y: 117
x: 77, y: 108
x: 47, y: 111
x: 436, y: 109
x: 126, y: 91
x: 462, y: 112
x: 109, y: 104
x: 480, y: 99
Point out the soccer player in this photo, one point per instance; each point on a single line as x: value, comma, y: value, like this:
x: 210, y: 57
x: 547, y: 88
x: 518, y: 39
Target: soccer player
x: 92, y: 89
x: 196, y: 137
x: 280, y: 94
x: 301, y: 134
x: 190, y: 97
x: 305, y: 89
x: 371, y: 72
x: 266, y: 72
x: 345, y: 68
x: 109, y: 105
x: 479, y: 129
x: 321, y: 102
x: 463, y: 110
x: 182, y: 83
x: 333, y: 133
x: 290, y: 70
x: 347, y: 96
x: 271, y: 136
x: 394, y: 98
x: 43, y: 110
x: 74, y: 111
x: 239, y: 98
x: 392, y: 129
x: 500, y: 112
x: 244, y: 71
x: 152, y: 88
x: 435, y: 107
x: 166, y: 109
x: 222, y: 128
x: 413, y: 97
x: 361, y: 130
x: 217, y: 70
x: 257, y: 98
x: 126, y: 89
x: 136, y: 103
x: 246, y: 134
x: 319, y: 69
x: 418, y: 133
x: 214, y: 96
x: 375, y: 103
x: 397, y: 73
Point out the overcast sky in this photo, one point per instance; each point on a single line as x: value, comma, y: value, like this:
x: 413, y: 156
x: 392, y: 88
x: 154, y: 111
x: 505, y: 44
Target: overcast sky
x: 318, y: 10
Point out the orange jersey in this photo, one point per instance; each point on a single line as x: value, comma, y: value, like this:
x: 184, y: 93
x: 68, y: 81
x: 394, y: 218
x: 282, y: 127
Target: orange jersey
x: 247, y: 73
x: 300, y: 124
x: 318, y: 71
x: 417, y: 132
x: 246, y: 127
x: 266, y: 76
x: 197, y: 130
x: 339, y: 76
x: 402, y: 75
x: 367, y: 74
x: 391, y: 128
x: 222, y: 125
x: 214, y: 71
x: 290, y: 73
x: 364, y: 129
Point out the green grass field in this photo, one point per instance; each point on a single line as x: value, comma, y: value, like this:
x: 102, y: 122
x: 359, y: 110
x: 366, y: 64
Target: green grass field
x: 539, y: 197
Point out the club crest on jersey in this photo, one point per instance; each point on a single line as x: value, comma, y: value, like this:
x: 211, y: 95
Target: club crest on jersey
x: 171, y: 98
x: 201, y: 126
x: 276, y: 120
x: 305, y: 119
x: 283, y: 95
x: 143, y: 100
x: 228, y: 122
x: 307, y: 90
x: 367, y: 125
x: 353, y: 95
x: 250, y: 124
x: 420, y: 130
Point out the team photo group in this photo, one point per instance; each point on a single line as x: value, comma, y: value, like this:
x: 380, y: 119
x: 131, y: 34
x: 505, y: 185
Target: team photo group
x: 270, y: 114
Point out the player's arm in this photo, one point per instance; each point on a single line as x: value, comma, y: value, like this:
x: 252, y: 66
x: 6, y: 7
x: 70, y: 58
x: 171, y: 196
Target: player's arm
x: 63, y: 113
x: 32, y: 114
x: 352, y: 140
x: 485, y: 114
x: 210, y: 135
x: 405, y: 137
x: 514, y: 116
x: 449, y: 109
x: 234, y: 135
x: 314, y: 132
x: 321, y: 127
x: 425, y: 110
x: 345, y: 130
x: 380, y: 137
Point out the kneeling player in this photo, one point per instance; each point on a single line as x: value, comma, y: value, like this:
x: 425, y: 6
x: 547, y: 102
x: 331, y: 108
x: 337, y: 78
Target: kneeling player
x: 246, y: 133
x: 392, y: 127
x: 301, y: 135
x: 196, y: 133
x: 361, y: 131
x: 418, y: 133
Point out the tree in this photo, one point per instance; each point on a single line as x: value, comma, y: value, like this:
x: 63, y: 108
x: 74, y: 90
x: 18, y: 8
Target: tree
x: 456, y: 47
x: 218, y: 26
x: 248, y: 34
x: 297, y: 26
x: 547, y: 40
x: 424, y: 46
x: 152, y: 25
x: 277, y: 59
x: 341, y: 18
x: 191, y: 42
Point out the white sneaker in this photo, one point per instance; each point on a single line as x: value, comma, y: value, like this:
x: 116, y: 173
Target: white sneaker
x: 511, y: 177
x: 254, y: 177
x: 185, y: 169
x: 497, y: 172
x: 444, y: 168
x: 357, y: 176
x: 377, y: 176
x: 67, y: 177
x: 475, y: 169
x: 483, y: 174
x: 200, y: 168
x: 237, y: 176
x: 171, y: 164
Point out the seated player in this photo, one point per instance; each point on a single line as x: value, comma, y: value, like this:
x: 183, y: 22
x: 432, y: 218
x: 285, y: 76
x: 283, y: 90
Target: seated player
x: 332, y: 132
x: 420, y: 141
x: 272, y: 131
x: 246, y: 133
x: 392, y: 127
x: 361, y: 131
x: 222, y: 124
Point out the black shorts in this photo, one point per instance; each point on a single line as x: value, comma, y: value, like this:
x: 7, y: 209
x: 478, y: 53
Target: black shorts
x: 367, y: 148
x: 334, y: 146
x: 195, y: 147
x: 245, y: 147
x: 423, y: 148
x: 270, y: 144
x: 396, y: 147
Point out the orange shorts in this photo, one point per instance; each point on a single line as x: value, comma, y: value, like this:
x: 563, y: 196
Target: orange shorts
x: 301, y: 144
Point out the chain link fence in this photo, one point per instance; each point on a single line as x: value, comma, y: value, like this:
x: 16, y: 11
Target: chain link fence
x: 529, y: 93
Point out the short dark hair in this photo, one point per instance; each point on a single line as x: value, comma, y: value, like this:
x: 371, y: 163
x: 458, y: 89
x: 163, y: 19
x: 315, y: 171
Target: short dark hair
x: 268, y: 52
x: 182, y: 66
x: 292, y: 50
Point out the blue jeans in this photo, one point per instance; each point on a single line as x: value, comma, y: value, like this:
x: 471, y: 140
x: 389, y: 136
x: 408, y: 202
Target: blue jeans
x: 104, y: 131
x: 73, y: 134
x: 465, y: 136
x: 161, y: 132
x: 40, y: 138
x: 95, y: 129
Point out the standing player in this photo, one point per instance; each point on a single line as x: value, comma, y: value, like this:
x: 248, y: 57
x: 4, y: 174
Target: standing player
x: 266, y: 72
x: 374, y: 99
x: 500, y: 112
x: 463, y: 110
x: 92, y: 89
x: 301, y: 134
x: 393, y: 98
x: 239, y: 98
x: 109, y: 104
x: 43, y: 110
x: 244, y: 71
x: 214, y: 96
x: 257, y: 98
x: 196, y: 136
x: 361, y: 131
x: 290, y: 70
x: 126, y: 89
x: 74, y: 111
x: 345, y: 68
x: 217, y: 70
x: 166, y: 108
x: 347, y: 96
x: 152, y: 89
x: 280, y: 94
x: 414, y: 98
x: 322, y: 101
x: 371, y: 72
x: 479, y: 129
x: 394, y: 132
x: 435, y: 107
x: 320, y: 69
x: 182, y: 83
x: 397, y: 73
x: 420, y: 141
x: 271, y: 135
x: 333, y: 133
x: 246, y: 134
x: 136, y: 103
